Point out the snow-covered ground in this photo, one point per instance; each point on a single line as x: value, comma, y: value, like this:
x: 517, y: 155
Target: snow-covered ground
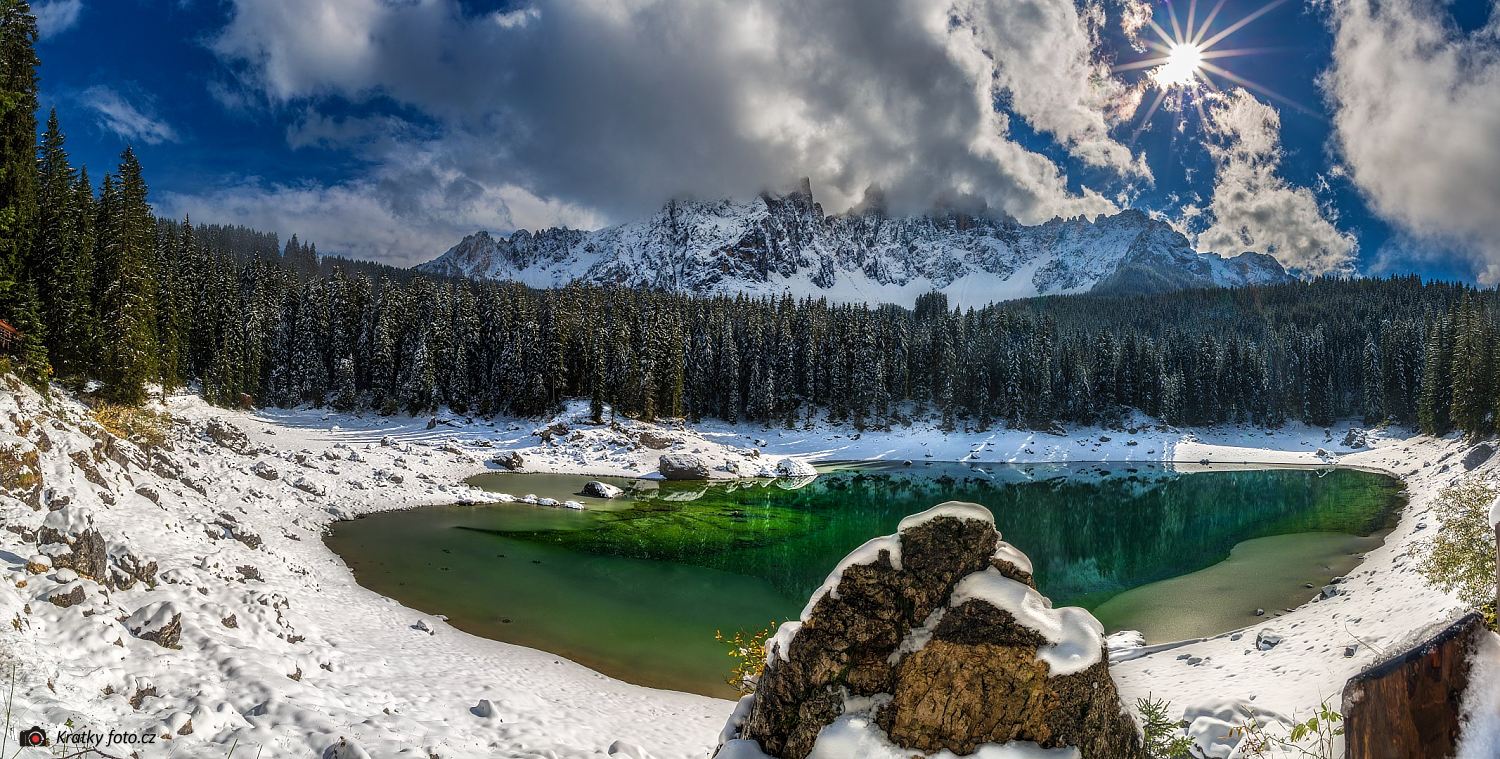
x: 283, y: 654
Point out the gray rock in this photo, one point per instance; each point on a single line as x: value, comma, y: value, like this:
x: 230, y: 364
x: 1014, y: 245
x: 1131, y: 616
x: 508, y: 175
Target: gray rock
x: 265, y: 471
x: 228, y: 436
x: 511, y: 460
x: 682, y: 466
x: 654, y: 439
x: 1478, y: 455
x: 1266, y: 640
x: 310, y: 486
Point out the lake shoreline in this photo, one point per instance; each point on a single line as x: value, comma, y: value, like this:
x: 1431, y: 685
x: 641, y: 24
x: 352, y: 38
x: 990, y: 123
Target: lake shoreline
x: 487, y: 594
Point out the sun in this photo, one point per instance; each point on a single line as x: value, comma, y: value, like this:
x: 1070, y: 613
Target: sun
x: 1184, y: 61
x: 1185, y: 65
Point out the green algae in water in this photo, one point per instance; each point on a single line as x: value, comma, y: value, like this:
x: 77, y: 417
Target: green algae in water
x: 638, y: 590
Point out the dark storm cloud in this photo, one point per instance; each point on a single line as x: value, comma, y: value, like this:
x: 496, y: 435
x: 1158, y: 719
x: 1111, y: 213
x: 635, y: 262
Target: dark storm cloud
x: 588, y: 110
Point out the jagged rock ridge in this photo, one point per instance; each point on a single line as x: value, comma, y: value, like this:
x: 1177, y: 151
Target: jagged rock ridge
x: 785, y: 244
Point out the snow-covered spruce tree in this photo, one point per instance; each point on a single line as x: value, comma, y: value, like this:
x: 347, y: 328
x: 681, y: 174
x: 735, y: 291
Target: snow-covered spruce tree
x: 1436, y: 395
x: 19, y: 301
x: 124, y: 287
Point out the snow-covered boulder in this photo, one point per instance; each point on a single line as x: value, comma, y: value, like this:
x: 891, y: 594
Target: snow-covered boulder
x: 657, y: 440
x: 228, y: 436
x: 345, y: 749
x: 160, y: 623
x: 931, y: 640
x: 265, y: 471
x: 790, y: 467
x: 511, y: 460
x: 1266, y: 640
x: 683, y: 466
x: 311, y: 486
x: 83, y: 548
x: 599, y: 489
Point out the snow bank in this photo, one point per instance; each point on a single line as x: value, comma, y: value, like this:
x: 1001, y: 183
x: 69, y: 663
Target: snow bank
x: 1495, y: 514
x: 1075, y: 640
x: 1480, y: 712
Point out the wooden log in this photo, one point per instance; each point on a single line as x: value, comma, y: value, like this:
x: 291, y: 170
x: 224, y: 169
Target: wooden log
x: 1406, y: 707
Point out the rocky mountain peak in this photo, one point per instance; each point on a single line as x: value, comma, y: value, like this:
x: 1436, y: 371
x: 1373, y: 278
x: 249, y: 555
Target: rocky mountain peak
x: 784, y: 243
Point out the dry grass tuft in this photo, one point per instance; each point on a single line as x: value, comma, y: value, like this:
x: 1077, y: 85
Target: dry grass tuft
x: 139, y: 426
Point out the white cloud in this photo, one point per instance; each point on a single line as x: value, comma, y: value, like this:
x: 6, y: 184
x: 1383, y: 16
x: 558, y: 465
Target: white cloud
x: 53, y: 17
x: 615, y: 105
x: 381, y: 217
x: 124, y: 118
x: 1253, y: 207
x: 1417, y: 119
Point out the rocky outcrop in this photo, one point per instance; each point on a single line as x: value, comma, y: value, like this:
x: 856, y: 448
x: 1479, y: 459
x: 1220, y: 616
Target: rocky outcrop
x: 657, y: 440
x: 937, y: 638
x: 682, y: 466
x: 228, y: 436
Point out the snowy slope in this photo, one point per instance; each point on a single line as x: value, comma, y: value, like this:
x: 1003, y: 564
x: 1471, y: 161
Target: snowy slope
x: 785, y: 244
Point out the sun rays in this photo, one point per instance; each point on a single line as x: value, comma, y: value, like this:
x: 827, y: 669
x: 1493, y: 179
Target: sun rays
x: 1184, y: 60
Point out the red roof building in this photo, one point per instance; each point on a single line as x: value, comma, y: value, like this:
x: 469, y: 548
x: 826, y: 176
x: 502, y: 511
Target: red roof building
x: 9, y: 335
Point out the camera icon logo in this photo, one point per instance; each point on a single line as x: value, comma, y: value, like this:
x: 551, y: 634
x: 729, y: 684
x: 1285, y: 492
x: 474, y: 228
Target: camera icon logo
x: 33, y: 737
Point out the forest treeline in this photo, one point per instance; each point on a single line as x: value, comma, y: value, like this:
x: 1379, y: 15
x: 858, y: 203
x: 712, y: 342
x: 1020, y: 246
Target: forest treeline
x: 104, y: 291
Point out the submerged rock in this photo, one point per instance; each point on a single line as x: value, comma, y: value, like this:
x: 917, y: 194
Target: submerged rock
x: 682, y: 466
x: 790, y: 467
x: 599, y: 489
x: 935, y: 639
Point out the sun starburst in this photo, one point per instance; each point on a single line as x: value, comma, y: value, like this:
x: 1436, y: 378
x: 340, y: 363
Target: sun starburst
x: 1184, y: 60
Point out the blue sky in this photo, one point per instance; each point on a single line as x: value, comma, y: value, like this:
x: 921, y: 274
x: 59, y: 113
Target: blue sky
x: 388, y: 129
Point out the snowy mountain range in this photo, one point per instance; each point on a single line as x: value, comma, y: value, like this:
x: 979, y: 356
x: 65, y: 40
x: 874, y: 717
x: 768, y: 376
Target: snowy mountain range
x: 785, y: 244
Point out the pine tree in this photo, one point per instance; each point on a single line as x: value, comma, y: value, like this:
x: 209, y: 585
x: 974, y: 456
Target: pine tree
x: 19, y: 301
x: 125, y: 294
x: 1435, y: 398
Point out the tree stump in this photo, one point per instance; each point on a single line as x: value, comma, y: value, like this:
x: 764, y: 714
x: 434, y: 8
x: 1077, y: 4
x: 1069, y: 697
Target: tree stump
x: 1406, y: 707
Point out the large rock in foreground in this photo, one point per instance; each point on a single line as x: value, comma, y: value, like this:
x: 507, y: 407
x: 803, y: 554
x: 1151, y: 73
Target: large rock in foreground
x: 933, y: 639
x: 682, y: 466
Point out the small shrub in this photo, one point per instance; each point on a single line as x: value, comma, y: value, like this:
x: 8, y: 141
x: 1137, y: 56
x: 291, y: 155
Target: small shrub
x: 748, y: 649
x: 19, y: 470
x: 1162, y: 740
x: 1460, y: 557
x: 137, y: 425
x: 1322, y: 729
